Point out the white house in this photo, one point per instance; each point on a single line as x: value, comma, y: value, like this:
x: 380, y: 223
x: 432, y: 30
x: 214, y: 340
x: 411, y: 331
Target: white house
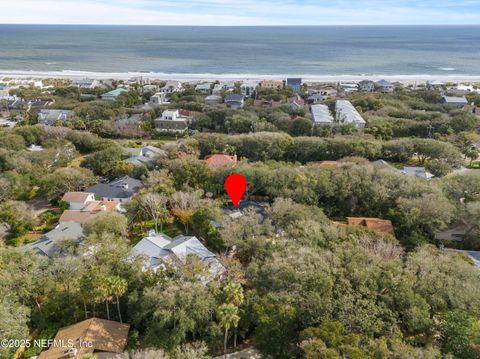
x: 49, y: 117
x: 223, y: 87
x: 204, y: 88
x: 159, y: 98
x: 172, y: 120
x: 385, y: 86
x: 366, y: 86
x: 78, y: 200
x: 171, y: 87
x: 347, y: 114
x: 86, y: 83
x: 248, y: 88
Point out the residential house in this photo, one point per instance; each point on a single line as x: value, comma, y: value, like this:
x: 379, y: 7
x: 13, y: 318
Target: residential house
x: 452, y: 101
x: 373, y: 224
x: 327, y: 92
x: 248, y: 88
x: 366, y: 86
x: 171, y: 87
x: 160, y: 250
x: 417, y: 172
x: 219, y: 160
x: 119, y: 190
x: 143, y: 155
x: 223, y: 87
x: 321, y: 115
x: 159, y: 98
x: 113, y: 95
x: 315, y: 98
x: 173, y: 120
x: 435, y: 85
x: 39, y: 103
x: 105, y: 340
x: 150, y: 88
x: 295, y: 84
x: 88, y: 211
x: 50, y: 117
x: 234, y: 101
x: 51, y: 244
x: 213, y: 100
x: 385, y: 86
x: 296, y: 102
x: 349, y: 87
x: 272, y: 84
x: 347, y: 114
x: 204, y: 88
x: 86, y: 83
x: 78, y: 200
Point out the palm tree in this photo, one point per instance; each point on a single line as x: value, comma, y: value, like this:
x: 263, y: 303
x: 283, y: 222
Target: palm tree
x: 234, y: 295
x: 228, y: 315
x: 118, y: 286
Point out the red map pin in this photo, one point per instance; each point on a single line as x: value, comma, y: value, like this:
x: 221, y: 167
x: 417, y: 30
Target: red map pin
x: 236, y: 186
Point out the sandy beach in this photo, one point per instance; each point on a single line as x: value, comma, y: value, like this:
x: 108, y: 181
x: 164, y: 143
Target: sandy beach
x: 407, y: 79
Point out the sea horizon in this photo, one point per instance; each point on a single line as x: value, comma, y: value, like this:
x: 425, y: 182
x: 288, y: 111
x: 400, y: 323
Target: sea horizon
x: 206, y: 52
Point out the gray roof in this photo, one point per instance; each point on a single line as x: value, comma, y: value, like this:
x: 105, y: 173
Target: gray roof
x: 50, y: 116
x: 158, y: 247
x: 48, y: 244
x: 452, y: 99
x: 321, y: 114
x: 346, y: 113
x: 234, y: 98
x: 416, y: 171
x: 124, y: 187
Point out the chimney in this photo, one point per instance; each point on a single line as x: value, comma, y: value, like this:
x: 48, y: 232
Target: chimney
x: 103, y: 208
x: 125, y: 186
x: 235, y: 157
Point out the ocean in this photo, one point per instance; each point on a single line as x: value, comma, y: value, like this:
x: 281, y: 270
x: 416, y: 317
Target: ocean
x: 315, y: 51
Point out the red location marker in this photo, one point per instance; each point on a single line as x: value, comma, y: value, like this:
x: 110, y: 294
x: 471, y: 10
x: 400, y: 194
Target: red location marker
x: 236, y: 185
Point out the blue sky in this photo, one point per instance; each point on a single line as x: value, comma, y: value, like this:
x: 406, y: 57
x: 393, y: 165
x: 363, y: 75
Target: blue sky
x: 240, y: 12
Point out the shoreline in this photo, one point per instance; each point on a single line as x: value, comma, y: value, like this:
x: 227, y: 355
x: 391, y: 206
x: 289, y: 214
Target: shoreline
x: 186, y: 77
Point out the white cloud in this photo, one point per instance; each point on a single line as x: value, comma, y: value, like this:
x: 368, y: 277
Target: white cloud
x: 234, y: 12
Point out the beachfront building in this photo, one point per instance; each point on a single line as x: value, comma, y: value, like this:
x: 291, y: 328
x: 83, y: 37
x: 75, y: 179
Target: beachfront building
x: 248, y: 88
x: 223, y: 87
x: 321, y: 115
x: 173, y: 120
x: 347, y: 114
x: 435, y: 85
x: 366, y: 86
x: 86, y: 83
x: 272, y: 84
x: 204, y: 88
x: 295, y: 84
x: 315, y: 98
x: 50, y: 117
x: 349, y: 87
x: 385, y: 86
x: 171, y: 87
x: 234, y: 101
x: 453, y: 101
x: 113, y: 95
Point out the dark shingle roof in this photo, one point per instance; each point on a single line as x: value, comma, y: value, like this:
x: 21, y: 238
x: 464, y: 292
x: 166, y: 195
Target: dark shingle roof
x: 124, y: 187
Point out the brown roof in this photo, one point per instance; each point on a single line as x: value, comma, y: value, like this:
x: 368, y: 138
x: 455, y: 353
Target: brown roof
x: 78, y: 197
x: 219, y: 160
x: 374, y: 224
x: 96, y: 206
x: 104, y: 336
x: 78, y: 216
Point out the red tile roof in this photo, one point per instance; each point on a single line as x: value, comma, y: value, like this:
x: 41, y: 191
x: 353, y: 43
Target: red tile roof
x: 220, y: 160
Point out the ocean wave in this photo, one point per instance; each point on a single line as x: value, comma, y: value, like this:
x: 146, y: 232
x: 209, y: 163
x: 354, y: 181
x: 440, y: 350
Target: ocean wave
x: 447, y: 68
